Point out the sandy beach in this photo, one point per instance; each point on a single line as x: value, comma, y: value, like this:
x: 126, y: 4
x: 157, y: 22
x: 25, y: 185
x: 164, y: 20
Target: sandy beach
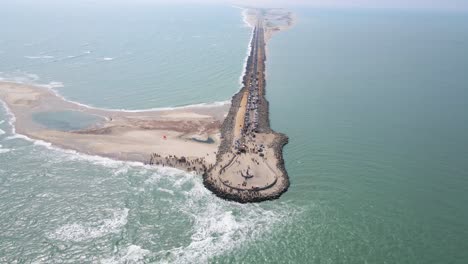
x: 132, y: 136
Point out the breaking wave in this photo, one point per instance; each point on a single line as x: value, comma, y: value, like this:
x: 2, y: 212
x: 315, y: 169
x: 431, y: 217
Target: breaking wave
x: 4, y: 150
x: 132, y: 254
x: 39, y: 57
x: 85, y: 231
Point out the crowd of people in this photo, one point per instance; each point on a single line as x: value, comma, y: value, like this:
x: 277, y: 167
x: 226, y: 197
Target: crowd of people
x: 197, y: 165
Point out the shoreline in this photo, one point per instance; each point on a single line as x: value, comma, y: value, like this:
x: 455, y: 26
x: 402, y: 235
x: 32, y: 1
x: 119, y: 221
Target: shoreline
x: 129, y: 136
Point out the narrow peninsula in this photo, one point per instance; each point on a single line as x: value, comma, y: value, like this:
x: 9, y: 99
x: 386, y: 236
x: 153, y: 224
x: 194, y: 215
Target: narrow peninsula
x: 249, y: 164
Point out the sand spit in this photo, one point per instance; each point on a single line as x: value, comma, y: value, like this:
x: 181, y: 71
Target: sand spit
x: 275, y: 20
x: 122, y: 135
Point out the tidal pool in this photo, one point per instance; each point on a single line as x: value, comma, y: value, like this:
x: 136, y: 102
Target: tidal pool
x: 66, y: 120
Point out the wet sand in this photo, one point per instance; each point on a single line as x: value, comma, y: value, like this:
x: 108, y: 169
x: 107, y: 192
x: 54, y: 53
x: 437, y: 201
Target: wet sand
x: 132, y: 136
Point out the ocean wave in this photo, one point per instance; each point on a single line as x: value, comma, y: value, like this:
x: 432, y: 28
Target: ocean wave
x: 132, y: 254
x: 29, y: 79
x: 85, y: 231
x: 171, y: 192
x: 218, y: 226
x: 244, y: 18
x: 39, y: 57
x: 107, y: 59
x: 19, y: 77
x: 84, y: 53
x: 4, y: 150
x: 2, y: 132
x: 52, y: 85
x: 10, y: 117
x: 18, y: 136
x: 244, y: 66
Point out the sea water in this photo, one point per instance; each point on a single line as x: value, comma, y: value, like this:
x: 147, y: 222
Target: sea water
x: 374, y: 104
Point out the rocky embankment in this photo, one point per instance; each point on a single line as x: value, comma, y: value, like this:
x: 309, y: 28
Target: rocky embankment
x: 211, y: 178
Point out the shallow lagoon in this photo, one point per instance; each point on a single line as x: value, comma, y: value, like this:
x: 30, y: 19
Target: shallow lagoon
x: 66, y: 120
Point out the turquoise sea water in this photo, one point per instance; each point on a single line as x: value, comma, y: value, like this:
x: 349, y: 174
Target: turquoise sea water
x: 374, y: 104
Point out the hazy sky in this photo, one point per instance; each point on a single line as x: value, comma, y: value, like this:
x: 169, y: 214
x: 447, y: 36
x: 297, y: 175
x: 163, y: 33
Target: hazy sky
x: 426, y: 4
x: 461, y: 5
x: 419, y: 4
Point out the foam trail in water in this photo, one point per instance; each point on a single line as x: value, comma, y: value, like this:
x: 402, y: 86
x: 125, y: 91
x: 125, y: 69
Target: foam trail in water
x: 132, y: 254
x: 39, y: 57
x: 171, y: 192
x: 10, y: 117
x: 85, y: 231
x: 249, y: 47
x: 4, y: 150
x: 218, y: 225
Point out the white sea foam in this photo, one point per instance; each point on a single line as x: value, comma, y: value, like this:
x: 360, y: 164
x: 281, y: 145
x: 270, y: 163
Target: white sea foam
x: 86, y: 231
x: 107, y: 59
x: 133, y: 254
x: 19, y: 77
x: 2, y: 132
x: 18, y: 136
x: 52, y: 85
x: 4, y: 150
x: 79, y: 55
x: 244, y: 18
x: 171, y: 192
x: 218, y: 226
x: 121, y: 170
x: 39, y: 57
x: 10, y: 117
